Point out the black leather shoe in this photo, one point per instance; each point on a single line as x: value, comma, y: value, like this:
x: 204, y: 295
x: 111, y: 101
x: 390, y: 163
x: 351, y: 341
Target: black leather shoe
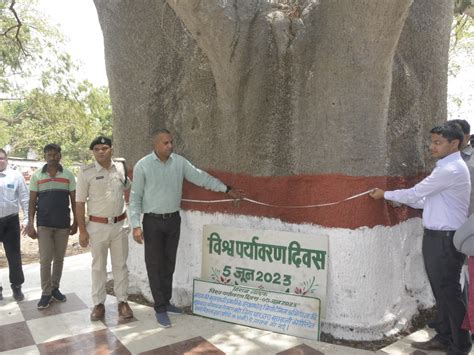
x: 432, y: 344
x: 456, y: 352
x: 17, y: 294
x: 434, y: 324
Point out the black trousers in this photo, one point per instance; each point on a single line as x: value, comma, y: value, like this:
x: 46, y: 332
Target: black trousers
x: 443, y: 265
x: 161, y: 244
x: 10, y: 237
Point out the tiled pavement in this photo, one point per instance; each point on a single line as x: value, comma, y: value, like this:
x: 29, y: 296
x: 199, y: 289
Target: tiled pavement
x: 65, y: 328
x: 403, y: 347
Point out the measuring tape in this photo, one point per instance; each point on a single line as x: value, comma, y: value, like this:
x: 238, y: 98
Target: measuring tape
x: 278, y: 206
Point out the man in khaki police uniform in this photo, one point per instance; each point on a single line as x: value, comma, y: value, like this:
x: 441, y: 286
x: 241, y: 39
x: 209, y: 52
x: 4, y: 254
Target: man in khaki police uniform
x: 102, y: 185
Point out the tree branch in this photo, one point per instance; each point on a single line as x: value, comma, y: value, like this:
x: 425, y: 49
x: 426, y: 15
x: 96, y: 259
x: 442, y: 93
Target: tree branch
x: 17, y: 119
x: 18, y: 26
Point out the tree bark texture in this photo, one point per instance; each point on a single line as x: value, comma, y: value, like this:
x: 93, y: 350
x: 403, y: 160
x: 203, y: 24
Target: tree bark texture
x: 263, y: 88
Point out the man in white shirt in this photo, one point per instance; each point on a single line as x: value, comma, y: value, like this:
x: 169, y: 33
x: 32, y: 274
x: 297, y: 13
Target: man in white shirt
x: 444, y: 198
x: 13, y: 192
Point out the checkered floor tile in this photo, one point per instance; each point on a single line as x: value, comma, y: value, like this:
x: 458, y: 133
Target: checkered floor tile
x: 66, y: 328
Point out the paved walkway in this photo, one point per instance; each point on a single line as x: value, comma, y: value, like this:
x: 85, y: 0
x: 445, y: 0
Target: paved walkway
x: 66, y: 328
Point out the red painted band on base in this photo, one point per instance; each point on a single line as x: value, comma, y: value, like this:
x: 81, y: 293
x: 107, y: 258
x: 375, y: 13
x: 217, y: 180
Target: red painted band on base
x: 308, y: 190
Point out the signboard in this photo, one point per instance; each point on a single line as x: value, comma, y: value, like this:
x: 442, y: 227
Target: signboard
x: 292, y: 263
x: 274, y: 311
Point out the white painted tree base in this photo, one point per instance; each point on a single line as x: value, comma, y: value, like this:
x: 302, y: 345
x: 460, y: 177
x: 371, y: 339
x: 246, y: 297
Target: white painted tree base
x: 376, y: 277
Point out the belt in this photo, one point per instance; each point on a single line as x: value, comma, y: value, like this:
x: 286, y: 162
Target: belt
x: 435, y: 233
x: 108, y: 220
x: 6, y: 218
x: 162, y: 215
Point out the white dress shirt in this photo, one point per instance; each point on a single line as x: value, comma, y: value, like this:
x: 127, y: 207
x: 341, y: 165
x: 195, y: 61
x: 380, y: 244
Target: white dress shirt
x: 13, y: 193
x: 443, y: 195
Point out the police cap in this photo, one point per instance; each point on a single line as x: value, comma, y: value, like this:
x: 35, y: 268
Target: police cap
x: 101, y: 140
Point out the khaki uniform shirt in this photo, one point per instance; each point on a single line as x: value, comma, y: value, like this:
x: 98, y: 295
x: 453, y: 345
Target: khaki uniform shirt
x: 102, y: 189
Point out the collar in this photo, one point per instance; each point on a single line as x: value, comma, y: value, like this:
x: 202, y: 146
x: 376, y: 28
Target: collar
x: 155, y: 157
x: 45, y: 168
x: 99, y: 167
x: 449, y: 158
x: 4, y: 172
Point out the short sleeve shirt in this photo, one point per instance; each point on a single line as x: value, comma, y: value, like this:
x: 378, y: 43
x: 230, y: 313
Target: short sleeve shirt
x: 102, y: 189
x: 13, y: 192
x: 53, y: 197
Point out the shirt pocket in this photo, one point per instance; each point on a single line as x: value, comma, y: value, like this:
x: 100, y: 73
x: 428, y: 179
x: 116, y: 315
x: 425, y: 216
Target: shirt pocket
x: 10, y: 192
x: 98, y: 187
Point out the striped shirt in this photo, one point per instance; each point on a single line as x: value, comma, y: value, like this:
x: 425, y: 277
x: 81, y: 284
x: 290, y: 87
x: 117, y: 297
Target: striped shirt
x: 53, y: 197
x: 13, y: 193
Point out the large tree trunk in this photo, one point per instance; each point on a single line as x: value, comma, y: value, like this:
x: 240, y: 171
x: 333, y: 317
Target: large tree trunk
x: 297, y: 102
x: 419, y: 85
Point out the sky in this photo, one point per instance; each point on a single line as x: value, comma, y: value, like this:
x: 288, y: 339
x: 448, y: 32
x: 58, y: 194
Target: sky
x: 462, y: 88
x: 79, y: 23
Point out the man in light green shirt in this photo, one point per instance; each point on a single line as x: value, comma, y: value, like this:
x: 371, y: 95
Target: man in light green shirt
x: 156, y: 193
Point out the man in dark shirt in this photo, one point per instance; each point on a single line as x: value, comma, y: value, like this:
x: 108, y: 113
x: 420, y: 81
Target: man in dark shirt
x: 51, y: 189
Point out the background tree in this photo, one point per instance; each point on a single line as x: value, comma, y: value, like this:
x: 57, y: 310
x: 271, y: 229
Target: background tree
x: 42, y: 101
x: 461, y: 55
x: 25, y: 37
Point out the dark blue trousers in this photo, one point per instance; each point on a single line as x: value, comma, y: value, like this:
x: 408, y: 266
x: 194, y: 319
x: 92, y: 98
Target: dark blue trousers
x: 161, y: 244
x: 10, y: 237
x: 443, y: 265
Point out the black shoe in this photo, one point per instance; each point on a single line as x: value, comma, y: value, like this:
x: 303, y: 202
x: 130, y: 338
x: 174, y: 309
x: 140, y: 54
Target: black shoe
x: 173, y: 309
x: 433, y: 324
x: 457, y: 352
x: 163, y: 319
x: 432, y: 344
x: 1, y: 294
x: 58, y: 296
x: 44, y: 302
x: 17, y: 294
